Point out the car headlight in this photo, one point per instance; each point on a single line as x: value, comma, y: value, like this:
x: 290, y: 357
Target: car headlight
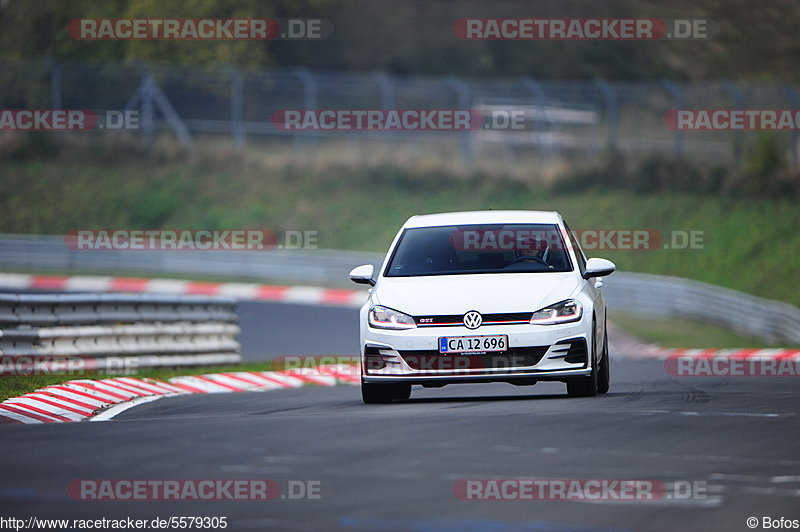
x: 386, y: 318
x: 562, y: 312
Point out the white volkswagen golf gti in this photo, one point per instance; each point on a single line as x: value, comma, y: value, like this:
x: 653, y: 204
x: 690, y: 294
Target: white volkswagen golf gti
x: 485, y: 296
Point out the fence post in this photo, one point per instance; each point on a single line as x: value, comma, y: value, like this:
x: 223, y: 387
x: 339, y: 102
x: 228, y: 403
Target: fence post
x: 610, y: 98
x: 793, y: 102
x: 55, y: 83
x: 148, y: 95
x: 538, y: 107
x: 237, y: 104
x: 677, y: 103
x: 738, y: 99
x: 388, y: 100
x: 147, y: 110
x: 463, y: 103
x: 309, y: 102
x: 386, y: 86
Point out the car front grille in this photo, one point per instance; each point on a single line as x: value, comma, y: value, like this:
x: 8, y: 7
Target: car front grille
x: 455, y: 320
x: 516, y: 357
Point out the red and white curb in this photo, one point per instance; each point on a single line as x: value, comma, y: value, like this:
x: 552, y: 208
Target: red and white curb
x: 99, y: 400
x: 243, y: 291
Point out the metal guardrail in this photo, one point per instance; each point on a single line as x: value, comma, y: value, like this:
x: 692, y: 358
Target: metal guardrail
x: 662, y: 296
x: 633, y: 293
x: 114, y: 331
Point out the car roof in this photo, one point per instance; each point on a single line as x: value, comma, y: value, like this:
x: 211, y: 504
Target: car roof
x: 483, y: 217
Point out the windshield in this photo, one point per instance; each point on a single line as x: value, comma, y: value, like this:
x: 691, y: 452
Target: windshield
x: 470, y: 249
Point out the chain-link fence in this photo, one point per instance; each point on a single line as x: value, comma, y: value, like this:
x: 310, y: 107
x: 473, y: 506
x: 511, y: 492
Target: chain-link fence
x: 194, y: 101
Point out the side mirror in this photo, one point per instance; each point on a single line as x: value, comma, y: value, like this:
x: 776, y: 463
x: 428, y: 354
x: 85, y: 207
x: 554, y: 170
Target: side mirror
x: 363, y: 274
x: 598, y: 268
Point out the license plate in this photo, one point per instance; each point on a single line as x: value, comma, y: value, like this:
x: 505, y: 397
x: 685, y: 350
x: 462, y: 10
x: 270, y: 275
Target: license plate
x: 473, y: 344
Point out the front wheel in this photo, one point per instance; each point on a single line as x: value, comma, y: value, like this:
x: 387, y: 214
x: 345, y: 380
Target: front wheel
x: 603, y: 374
x: 372, y: 393
x: 583, y: 386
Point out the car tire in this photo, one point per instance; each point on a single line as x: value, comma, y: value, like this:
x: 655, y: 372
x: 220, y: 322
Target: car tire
x: 402, y: 392
x: 375, y: 393
x: 604, y: 370
x: 586, y: 386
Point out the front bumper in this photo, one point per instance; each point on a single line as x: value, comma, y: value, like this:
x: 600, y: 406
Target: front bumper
x: 535, y: 352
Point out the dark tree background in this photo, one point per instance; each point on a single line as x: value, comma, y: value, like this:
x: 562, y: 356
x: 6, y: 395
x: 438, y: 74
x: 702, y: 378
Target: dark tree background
x: 756, y: 42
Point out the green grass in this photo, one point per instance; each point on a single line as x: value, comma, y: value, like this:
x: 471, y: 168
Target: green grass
x: 15, y: 386
x: 675, y: 332
x: 750, y: 244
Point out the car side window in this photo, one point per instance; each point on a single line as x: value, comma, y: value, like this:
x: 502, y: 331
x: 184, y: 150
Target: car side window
x: 578, y: 251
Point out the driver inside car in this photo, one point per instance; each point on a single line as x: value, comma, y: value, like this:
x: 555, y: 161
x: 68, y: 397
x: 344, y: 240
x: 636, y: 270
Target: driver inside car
x: 533, y: 249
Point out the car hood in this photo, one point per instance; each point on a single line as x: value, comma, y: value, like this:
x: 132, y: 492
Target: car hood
x: 486, y: 293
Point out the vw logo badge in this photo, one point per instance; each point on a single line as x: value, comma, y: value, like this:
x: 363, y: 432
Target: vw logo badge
x: 472, y: 319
